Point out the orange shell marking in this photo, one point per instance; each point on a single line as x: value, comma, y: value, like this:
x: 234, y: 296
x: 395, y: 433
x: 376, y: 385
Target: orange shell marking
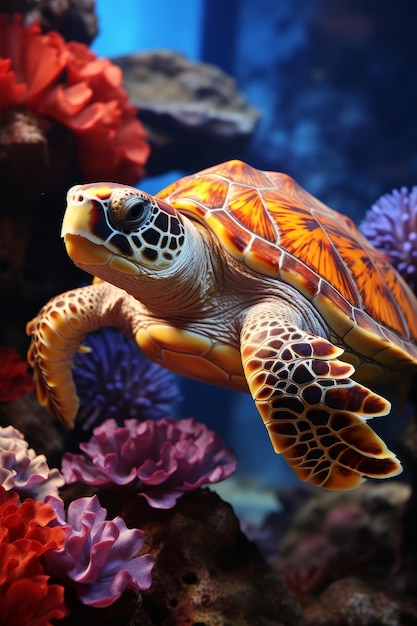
x: 268, y: 221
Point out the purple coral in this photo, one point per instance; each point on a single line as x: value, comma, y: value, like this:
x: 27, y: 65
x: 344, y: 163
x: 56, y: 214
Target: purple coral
x: 116, y: 381
x: 160, y: 460
x: 391, y: 226
x: 100, y: 558
x: 22, y: 470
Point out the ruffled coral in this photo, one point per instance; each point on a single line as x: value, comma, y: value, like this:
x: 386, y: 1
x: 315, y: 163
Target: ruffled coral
x: 15, y: 380
x: 26, y: 596
x: 116, y: 381
x: 391, y: 226
x: 100, y: 558
x: 67, y: 82
x: 22, y: 470
x: 160, y: 460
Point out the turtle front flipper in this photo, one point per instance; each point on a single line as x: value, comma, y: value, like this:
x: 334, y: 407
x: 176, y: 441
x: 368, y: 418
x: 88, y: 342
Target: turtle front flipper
x: 56, y: 334
x: 314, y: 412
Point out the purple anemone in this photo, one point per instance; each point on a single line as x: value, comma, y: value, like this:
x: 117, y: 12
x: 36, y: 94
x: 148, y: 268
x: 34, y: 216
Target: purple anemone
x: 159, y: 460
x: 100, y: 557
x: 24, y: 471
x: 391, y: 226
x: 115, y: 380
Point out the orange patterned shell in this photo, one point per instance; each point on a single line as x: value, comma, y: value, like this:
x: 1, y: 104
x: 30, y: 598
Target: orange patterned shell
x: 266, y: 220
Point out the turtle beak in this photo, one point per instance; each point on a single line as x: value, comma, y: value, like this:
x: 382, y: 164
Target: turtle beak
x: 75, y: 231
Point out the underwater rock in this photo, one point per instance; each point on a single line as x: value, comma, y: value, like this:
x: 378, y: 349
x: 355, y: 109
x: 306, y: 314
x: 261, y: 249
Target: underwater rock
x: 336, y: 535
x: 14, y: 235
x: 74, y: 19
x: 379, y: 501
x: 408, y: 441
x: 406, y: 570
x: 185, y: 106
x: 206, y: 572
x: 35, y: 154
x: 39, y: 427
x: 350, y: 601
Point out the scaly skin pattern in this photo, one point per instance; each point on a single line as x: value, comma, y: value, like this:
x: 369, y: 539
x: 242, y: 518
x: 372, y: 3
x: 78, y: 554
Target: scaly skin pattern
x: 314, y: 413
x: 240, y: 278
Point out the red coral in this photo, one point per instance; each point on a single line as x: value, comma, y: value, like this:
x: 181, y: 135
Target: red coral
x: 67, y: 82
x: 26, y: 597
x: 15, y: 380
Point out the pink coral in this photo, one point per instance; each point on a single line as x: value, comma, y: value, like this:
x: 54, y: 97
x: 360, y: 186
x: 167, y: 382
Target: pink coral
x: 67, y: 82
x: 26, y: 595
x: 22, y: 470
x: 159, y: 459
x: 100, y: 558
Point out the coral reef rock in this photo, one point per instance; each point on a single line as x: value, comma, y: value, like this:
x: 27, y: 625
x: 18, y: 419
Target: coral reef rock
x: 35, y: 154
x: 351, y: 602
x: 350, y: 557
x: 39, y: 427
x: 186, y: 106
x: 378, y: 505
x: 74, y: 19
x: 207, y: 572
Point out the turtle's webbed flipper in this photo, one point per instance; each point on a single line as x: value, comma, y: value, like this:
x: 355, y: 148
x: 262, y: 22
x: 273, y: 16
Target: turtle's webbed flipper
x: 314, y: 413
x: 57, y: 332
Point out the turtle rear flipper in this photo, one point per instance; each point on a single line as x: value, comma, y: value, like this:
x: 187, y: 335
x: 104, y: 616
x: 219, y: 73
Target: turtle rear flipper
x: 314, y: 412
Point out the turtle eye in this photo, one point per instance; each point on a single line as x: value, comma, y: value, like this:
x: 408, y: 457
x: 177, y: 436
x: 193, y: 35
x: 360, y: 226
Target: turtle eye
x: 129, y: 213
x: 137, y: 211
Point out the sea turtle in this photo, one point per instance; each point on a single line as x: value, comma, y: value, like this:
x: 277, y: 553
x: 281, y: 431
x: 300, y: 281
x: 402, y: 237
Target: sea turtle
x: 239, y: 277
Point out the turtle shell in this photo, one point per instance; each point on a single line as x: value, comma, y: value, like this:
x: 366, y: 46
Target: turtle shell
x: 270, y: 223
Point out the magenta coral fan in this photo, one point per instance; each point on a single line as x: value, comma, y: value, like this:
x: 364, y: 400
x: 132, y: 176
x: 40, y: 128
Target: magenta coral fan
x: 22, y: 470
x: 160, y: 459
x: 100, y: 558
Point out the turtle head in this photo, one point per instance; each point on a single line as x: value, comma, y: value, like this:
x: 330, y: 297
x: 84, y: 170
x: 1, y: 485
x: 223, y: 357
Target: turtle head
x: 110, y: 228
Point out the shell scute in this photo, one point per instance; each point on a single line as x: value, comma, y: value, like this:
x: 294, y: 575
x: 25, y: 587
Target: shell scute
x: 211, y: 192
x: 249, y: 208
